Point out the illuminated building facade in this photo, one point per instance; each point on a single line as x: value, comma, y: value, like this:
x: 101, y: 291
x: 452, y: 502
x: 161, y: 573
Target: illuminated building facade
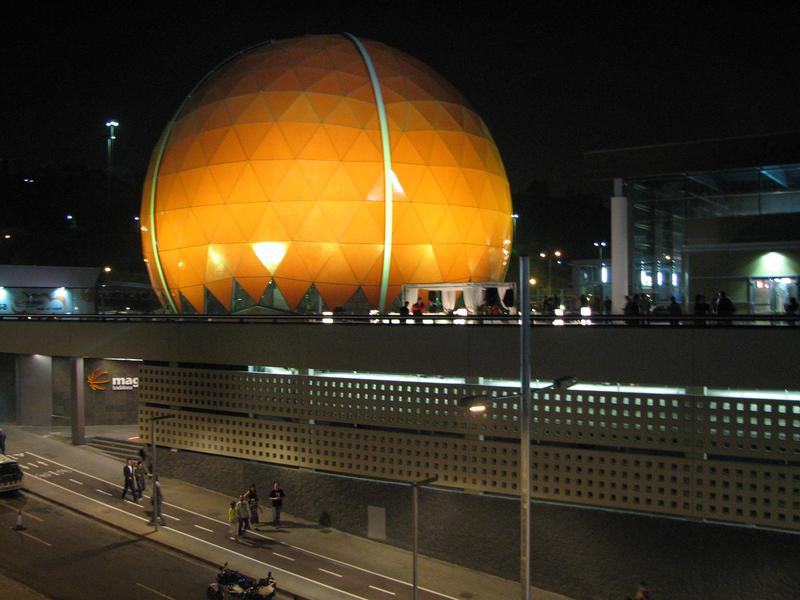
x: 707, y: 216
x: 321, y: 165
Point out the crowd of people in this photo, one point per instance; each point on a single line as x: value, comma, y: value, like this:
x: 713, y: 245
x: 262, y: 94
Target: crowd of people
x: 243, y: 513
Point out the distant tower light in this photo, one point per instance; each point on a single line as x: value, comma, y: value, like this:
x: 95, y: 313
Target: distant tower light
x: 107, y: 269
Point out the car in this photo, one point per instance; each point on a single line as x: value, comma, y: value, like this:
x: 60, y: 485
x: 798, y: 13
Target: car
x: 10, y: 474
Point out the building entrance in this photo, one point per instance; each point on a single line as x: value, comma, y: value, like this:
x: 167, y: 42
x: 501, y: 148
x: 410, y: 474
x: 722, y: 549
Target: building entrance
x: 770, y: 295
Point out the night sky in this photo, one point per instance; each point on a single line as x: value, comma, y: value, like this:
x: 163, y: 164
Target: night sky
x: 551, y: 82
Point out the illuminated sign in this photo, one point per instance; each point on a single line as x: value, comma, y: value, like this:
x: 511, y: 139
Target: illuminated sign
x: 99, y: 378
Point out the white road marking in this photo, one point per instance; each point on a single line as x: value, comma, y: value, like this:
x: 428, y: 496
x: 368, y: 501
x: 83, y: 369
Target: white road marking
x: 205, y: 528
x: 34, y: 465
x: 20, y: 455
x: 382, y: 590
x: 226, y: 524
x: 156, y: 592
x: 284, y: 556
x: 329, y: 572
x: 169, y: 516
x: 54, y: 473
x: 101, y: 491
x: 76, y: 481
x: 24, y: 467
x: 41, y: 462
x: 24, y: 514
x: 33, y: 537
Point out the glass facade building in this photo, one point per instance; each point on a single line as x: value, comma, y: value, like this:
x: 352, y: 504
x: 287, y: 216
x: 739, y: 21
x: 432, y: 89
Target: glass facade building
x: 673, y: 217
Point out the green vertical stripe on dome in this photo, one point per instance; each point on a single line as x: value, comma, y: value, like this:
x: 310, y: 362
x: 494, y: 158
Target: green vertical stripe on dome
x: 162, y: 144
x: 387, y: 169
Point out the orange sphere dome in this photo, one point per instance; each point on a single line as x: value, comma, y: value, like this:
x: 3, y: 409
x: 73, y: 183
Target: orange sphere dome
x: 322, y: 161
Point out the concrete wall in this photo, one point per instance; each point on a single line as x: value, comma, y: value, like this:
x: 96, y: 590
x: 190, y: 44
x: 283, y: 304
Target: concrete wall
x: 8, y: 393
x: 34, y: 385
x: 583, y: 553
x: 680, y: 356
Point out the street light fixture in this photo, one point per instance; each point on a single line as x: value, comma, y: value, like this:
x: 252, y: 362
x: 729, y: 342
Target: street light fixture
x: 153, y: 472
x: 549, y: 256
x: 415, y: 485
x: 524, y: 475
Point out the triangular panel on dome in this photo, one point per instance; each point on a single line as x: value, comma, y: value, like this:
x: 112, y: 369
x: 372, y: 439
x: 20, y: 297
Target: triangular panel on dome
x: 300, y: 111
x: 170, y: 194
x: 447, y: 231
x: 227, y: 230
x: 192, y: 266
x: 423, y: 142
x: 368, y: 179
x: 445, y: 119
x: 229, y: 150
x: 308, y: 74
x: 292, y: 290
x: 270, y: 227
x: 251, y: 136
x: 409, y: 176
x: 463, y: 217
x: 297, y: 135
x: 247, y: 217
x: 245, y: 85
x: 342, y: 138
x: 193, y: 299
x: 446, y: 257
x: 429, y: 190
x: 403, y: 151
x: 446, y: 178
x: 365, y: 227
x: 222, y: 290
x: 364, y: 148
x: 278, y: 102
x: 405, y: 260
x: 315, y: 255
x: 334, y: 294
x: 340, y: 187
x: 363, y: 260
x: 350, y: 82
x: 252, y: 108
x: 336, y: 269
x: 250, y: 265
x: 226, y: 176
x: 365, y: 93
x: 292, y: 266
x: 477, y: 262
x: 365, y: 111
x: 396, y: 115
x: 428, y: 267
x: 441, y: 154
x: 315, y: 227
x: 372, y: 293
x: 328, y: 85
x: 430, y: 216
x: 292, y: 215
x: 471, y: 153
x: 194, y: 157
x: 208, y: 218
x: 408, y: 228
x: 253, y: 286
x: 319, y: 148
x: 343, y: 116
x: 270, y: 174
x: 462, y: 193
x: 190, y: 231
x: 286, y: 82
x: 210, y: 141
x: 322, y: 104
x: 247, y: 189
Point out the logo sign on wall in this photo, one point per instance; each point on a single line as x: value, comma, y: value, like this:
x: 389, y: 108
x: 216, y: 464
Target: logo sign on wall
x: 99, y: 378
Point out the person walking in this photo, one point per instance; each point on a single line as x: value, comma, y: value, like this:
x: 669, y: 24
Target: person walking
x: 127, y: 473
x: 2, y: 442
x: 157, y: 498
x: 276, y: 495
x: 242, y: 513
x: 252, y: 504
x: 674, y: 310
x: 232, y: 521
x: 140, y: 475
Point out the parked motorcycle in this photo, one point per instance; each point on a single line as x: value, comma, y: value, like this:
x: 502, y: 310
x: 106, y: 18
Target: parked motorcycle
x: 234, y: 585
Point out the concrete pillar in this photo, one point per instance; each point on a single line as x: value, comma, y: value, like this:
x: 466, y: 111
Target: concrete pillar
x: 34, y: 383
x: 78, y: 398
x: 619, y: 248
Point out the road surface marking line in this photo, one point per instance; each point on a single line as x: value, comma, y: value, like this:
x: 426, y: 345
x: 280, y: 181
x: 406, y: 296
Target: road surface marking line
x: 27, y: 514
x: 265, y: 564
x: 20, y: 455
x: 34, y: 465
x: 284, y: 556
x: 102, y: 492
x: 54, y: 474
x: 76, y: 481
x: 205, y: 528
x: 33, y: 537
x: 310, y: 552
x: 61, y: 487
x: 24, y: 467
x: 156, y: 592
x: 41, y: 462
x: 383, y: 590
x: 170, y: 516
x: 329, y: 572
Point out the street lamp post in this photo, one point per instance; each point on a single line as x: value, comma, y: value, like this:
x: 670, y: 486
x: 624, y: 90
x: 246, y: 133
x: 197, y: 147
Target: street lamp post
x: 549, y: 256
x: 415, y: 485
x: 153, y: 472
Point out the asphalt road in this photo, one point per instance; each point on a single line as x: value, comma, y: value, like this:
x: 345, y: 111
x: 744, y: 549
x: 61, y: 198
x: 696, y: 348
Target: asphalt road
x: 262, y: 548
x: 62, y: 554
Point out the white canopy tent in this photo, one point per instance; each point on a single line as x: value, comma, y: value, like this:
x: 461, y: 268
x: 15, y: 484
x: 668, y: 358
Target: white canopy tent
x: 474, y: 293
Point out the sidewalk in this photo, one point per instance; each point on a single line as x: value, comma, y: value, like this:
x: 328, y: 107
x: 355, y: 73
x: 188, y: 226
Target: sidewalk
x: 440, y: 576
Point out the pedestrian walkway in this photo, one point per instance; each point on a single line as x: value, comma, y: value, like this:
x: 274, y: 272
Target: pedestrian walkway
x: 308, y: 560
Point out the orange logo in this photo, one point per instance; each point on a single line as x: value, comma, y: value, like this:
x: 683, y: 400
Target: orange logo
x: 97, y: 379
